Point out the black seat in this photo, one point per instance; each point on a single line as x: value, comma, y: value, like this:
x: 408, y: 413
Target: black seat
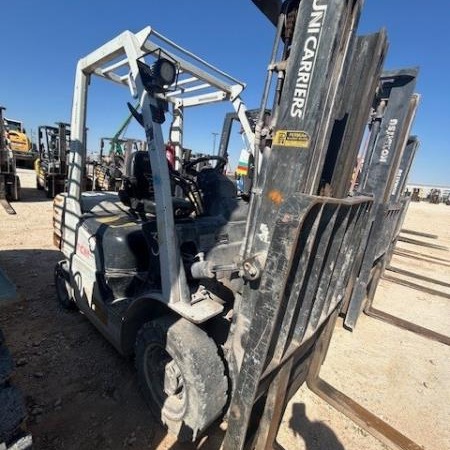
x: 137, y: 189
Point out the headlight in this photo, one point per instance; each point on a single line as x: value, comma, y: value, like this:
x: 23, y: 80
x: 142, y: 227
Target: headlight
x: 164, y: 71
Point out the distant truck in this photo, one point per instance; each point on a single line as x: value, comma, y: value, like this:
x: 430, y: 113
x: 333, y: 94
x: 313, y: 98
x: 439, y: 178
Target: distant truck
x: 19, y: 142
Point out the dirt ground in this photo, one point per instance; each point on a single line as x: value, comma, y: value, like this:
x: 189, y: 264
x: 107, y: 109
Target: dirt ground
x: 81, y: 394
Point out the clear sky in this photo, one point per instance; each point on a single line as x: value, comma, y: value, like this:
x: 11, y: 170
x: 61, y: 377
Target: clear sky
x: 42, y: 41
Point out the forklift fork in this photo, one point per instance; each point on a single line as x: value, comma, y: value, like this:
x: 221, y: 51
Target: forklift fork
x: 347, y: 406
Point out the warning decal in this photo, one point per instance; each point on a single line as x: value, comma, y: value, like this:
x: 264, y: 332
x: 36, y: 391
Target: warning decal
x: 288, y: 138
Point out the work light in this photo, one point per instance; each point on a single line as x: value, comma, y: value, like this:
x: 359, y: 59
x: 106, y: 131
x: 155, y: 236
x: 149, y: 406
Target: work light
x: 164, y: 71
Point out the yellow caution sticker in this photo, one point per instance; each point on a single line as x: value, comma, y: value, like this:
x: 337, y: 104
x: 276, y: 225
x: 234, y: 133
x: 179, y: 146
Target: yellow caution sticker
x: 291, y: 138
x: 116, y: 221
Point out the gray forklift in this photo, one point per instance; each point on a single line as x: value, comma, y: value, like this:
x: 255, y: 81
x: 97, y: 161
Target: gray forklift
x: 9, y: 180
x: 51, y: 165
x: 227, y: 302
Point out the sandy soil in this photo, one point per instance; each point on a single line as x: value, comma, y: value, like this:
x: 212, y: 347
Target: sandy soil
x: 82, y: 395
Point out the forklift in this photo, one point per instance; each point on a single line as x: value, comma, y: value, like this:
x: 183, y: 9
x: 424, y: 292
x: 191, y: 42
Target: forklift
x: 9, y: 180
x: 227, y: 302
x: 107, y: 172
x: 51, y: 166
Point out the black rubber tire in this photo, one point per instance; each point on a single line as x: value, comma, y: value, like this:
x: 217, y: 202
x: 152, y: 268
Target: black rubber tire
x: 61, y: 286
x: 12, y: 412
x: 48, y: 192
x: 19, y: 190
x: 6, y: 364
x: 39, y: 187
x: 15, y: 191
x: 188, y: 349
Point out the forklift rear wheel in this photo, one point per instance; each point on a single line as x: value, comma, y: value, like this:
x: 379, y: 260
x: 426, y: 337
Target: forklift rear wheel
x: 39, y: 185
x: 62, y: 287
x: 181, y: 375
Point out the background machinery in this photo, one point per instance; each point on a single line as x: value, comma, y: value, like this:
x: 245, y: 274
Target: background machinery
x: 20, y: 143
x: 107, y: 172
x: 9, y: 180
x: 51, y: 166
x: 227, y: 302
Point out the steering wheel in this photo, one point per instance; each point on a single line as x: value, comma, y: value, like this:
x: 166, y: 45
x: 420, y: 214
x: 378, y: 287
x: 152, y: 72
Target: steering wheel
x: 189, y: 167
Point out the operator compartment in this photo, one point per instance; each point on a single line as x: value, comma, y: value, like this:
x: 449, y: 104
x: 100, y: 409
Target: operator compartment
x: 127, y: 248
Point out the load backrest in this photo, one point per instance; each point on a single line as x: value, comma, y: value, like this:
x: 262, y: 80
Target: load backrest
x: 309, y: 265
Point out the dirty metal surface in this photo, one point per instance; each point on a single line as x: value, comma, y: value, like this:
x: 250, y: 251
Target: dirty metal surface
x: 309, y: 262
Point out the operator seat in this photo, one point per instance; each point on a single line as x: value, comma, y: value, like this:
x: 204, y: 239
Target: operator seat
x: 137, y: 189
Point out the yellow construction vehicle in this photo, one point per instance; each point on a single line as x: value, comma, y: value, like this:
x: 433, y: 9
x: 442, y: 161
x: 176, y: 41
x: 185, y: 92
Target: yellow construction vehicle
x: 19, y: 142
x: 9, y: 181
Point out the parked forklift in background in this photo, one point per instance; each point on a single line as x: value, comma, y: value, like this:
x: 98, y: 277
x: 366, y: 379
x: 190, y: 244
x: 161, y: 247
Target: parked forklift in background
x: 435, y: 196
x: 227, y: 302
x: 417, y: 194
x: 107, y: 172
x: 51, y: 166
x: 9, y: 180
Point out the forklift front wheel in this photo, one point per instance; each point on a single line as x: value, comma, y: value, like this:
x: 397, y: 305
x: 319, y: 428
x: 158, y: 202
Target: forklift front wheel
x: 181, y: 375
x: 16, y: 190
x: 63, y: 287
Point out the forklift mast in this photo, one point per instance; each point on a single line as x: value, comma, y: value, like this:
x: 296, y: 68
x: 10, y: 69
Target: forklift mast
x: 362, y: 71
x: 394, y: 109
x: 230, y: 118
x: 404, y: 168
x: 300, y: 247
x: 398, y: 195
x: 316, y: 39
x: 54, y: 144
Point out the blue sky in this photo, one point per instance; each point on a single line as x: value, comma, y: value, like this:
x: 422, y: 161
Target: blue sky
x: 42, y: 42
